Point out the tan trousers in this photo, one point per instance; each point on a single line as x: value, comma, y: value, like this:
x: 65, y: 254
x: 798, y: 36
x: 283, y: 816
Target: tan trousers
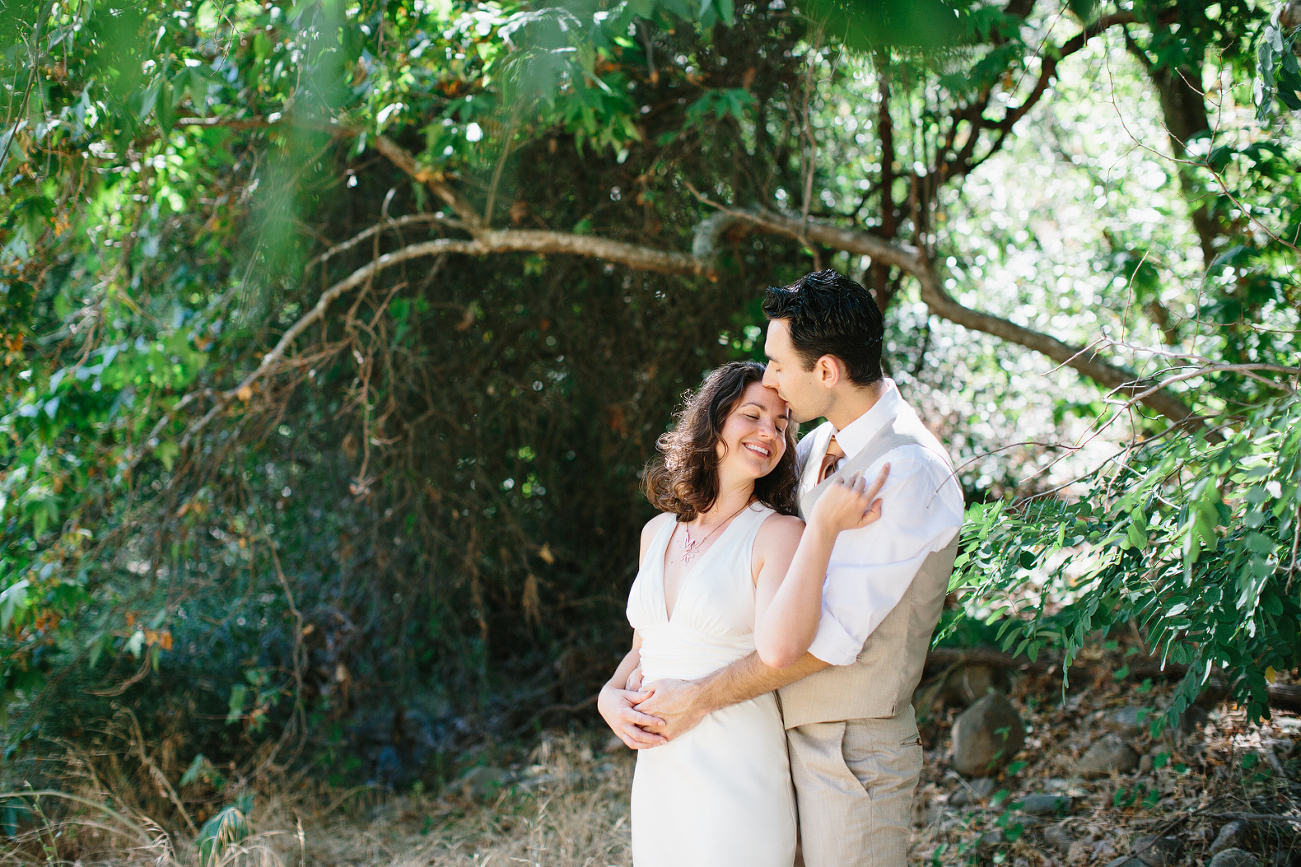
x: 854, y: 783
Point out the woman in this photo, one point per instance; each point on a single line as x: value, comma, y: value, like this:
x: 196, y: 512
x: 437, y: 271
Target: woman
x: 711, y: 565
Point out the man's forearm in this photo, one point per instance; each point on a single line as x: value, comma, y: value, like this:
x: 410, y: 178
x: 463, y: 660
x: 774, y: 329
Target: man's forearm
x: 749, y: 677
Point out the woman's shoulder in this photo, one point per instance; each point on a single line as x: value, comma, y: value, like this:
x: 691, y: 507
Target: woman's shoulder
x: 780, y: 529
x: 653, y: 526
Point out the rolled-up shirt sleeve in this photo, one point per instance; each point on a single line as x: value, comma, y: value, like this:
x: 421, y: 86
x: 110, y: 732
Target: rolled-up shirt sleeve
x: 871, y: 568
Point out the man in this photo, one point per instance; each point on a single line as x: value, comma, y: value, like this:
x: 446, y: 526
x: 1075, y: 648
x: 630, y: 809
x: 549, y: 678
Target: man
x: 854, y: 748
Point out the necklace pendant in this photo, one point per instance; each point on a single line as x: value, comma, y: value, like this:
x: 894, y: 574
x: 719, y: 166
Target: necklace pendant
x: 689, y: 547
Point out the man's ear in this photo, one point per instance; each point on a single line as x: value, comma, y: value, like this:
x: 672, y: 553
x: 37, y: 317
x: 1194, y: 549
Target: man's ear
x: 828, y: 369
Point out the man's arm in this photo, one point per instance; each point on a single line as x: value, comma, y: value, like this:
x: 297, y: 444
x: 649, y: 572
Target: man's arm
x: 871, y: 568
x: 683, y: 703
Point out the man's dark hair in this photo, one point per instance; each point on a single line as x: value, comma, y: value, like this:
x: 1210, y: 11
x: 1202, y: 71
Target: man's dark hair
x: 829, y: 314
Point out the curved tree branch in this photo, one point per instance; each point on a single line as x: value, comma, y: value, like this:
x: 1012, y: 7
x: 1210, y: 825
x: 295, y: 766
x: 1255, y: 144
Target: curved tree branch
x: 1082, y: 360
x: 700, y: 262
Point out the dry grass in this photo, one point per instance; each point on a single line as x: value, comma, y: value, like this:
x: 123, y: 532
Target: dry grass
x: 567, y: 807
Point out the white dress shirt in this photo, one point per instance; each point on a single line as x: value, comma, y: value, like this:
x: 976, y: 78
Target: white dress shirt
x: 870, y: 568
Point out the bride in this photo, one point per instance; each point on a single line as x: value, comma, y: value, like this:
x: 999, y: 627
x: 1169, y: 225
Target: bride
x: 711, y: 567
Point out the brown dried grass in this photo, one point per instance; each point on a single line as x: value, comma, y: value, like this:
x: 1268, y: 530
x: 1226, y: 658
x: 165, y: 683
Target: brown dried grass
x: 567, y: 807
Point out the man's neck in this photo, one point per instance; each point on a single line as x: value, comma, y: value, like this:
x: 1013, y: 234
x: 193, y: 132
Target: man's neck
x: 853, y: 402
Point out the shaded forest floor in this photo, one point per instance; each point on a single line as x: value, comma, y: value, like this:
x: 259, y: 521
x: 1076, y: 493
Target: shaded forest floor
x: 562, y: 800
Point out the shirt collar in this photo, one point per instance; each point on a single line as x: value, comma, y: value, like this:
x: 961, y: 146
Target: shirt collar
x: 859, y: 432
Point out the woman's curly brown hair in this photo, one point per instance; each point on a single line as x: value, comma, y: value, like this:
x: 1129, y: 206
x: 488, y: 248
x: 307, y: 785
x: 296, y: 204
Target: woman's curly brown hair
x: 684, y: 478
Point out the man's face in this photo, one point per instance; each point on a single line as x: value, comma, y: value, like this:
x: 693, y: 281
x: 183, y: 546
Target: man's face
x: 802, y: 389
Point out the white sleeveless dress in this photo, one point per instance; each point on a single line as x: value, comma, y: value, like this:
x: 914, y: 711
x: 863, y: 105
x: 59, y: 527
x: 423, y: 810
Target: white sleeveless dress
x: 720, y: 794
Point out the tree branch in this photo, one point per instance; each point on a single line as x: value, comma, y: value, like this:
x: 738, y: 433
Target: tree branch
x: 1102, y: 372
x: 700, y: 262
x: 403, y: 159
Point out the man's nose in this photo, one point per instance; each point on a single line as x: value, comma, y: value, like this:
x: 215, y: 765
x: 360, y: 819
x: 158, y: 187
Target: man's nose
x: 769, y: 378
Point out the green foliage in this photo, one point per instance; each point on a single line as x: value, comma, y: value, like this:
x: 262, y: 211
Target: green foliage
x: 430, y: 499
x: 1195, y: 541
x: 1276, y: 69
x: 227, y: 827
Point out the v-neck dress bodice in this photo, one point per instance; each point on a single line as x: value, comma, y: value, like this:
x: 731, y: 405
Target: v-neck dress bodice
x: 712, y: 623
x: 721, y: 793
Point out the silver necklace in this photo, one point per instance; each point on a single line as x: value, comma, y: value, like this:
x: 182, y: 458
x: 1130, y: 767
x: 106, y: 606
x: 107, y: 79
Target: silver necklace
x: 690, y: 547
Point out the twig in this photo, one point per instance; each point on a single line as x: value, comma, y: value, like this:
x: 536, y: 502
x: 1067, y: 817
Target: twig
x: 158, y: 776
x: 55, y: 793
x: 34, y: 60
x: 1252, y: 817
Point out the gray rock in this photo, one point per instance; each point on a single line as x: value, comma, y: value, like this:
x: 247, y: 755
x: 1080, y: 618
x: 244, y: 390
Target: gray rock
x: 971, y: 682
x: 483, y: 781
x: 1235, y: 858
x: 1231, y: 836
x: 1027, y: 823
x: 986, y: 736
x: 1044, y: 804
x: 975, y: 792
x: 1125, y: 861
x: 1145, y: 764
x: 1126, y: 722
x: 1192, y: 719
x: 1057, y: 837
x: 1158, y: 851
x: 1107, y: 754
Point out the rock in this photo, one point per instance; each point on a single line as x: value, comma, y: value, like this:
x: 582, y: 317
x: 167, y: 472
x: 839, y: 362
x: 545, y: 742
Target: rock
x: 1044, y: 804
x: 1108, y: 754
x: 1129, y: 722
x: 1057, y: 837
x: 1158, y: 851
x: 1235, y: 858
x: 971, y: 682
x: 1145, y: 764
x: 1192, y: 719
x: 1125, y: 861
x: 483, y: 781
x: 975, y: 792
x: 1231, y: 836
x: 1213, y: 694
x: 986, y: 736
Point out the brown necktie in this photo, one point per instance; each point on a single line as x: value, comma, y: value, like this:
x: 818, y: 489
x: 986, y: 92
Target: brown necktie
x: 833, y: 456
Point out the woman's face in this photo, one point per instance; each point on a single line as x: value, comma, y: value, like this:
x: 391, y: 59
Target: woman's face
x: 754, y: 433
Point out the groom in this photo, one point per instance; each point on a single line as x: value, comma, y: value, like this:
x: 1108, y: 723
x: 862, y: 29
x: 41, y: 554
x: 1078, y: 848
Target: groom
x: 854, y: 748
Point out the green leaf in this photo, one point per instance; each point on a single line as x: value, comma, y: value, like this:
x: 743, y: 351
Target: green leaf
x: 192, y: 772
x: 235, y: 708
x: 12, y: 600
x: 167, y: 450
x: 228, y: 827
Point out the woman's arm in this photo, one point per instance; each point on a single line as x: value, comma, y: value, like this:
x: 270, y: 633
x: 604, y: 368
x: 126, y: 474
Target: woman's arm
x: 616, y: 705
x: 788, y: 589
x: 615, y: 702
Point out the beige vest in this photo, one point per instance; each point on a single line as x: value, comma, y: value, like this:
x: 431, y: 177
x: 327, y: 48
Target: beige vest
x: 881, y: 681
